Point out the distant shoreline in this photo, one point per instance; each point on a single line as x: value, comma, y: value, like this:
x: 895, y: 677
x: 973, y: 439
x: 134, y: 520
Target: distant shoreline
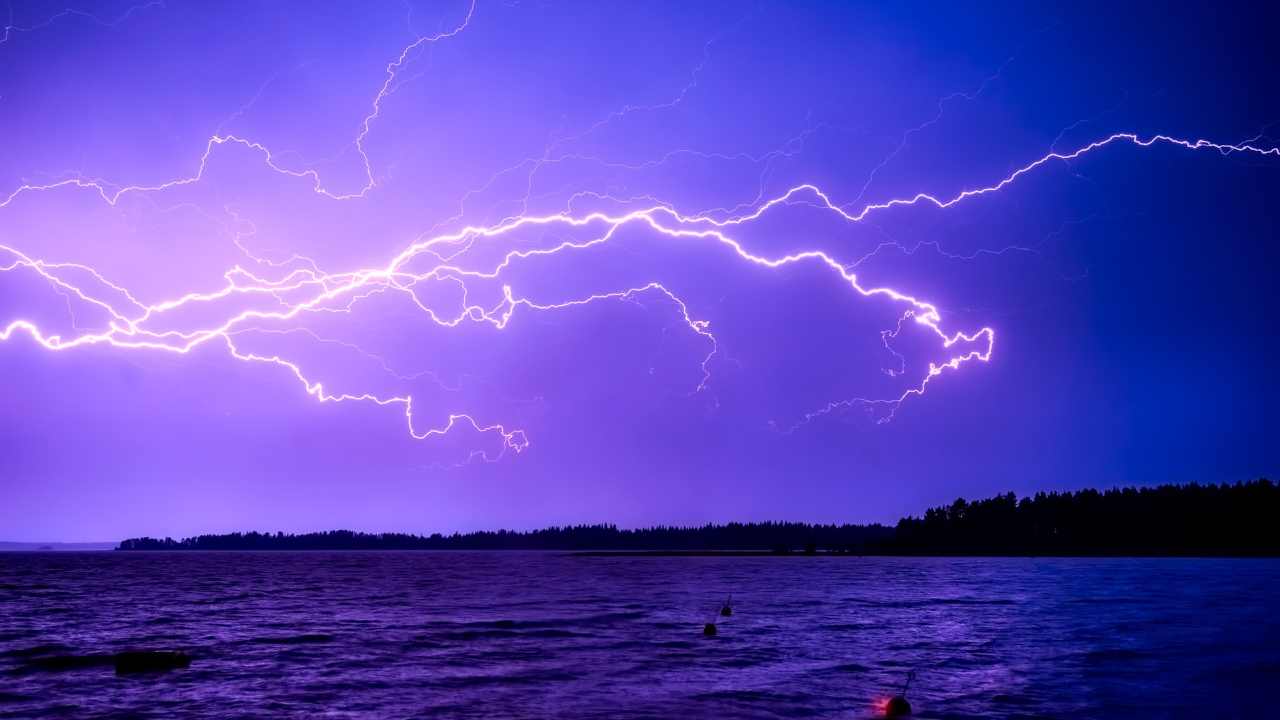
x: 646, y: 554
x: 1229, y: 520
x: 13, y: 546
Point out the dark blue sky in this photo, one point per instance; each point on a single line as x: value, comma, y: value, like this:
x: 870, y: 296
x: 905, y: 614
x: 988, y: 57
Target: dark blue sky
x: 1129, y: 289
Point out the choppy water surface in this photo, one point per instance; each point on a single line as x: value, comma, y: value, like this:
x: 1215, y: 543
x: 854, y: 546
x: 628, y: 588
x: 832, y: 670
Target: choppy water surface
x: 540, y: 635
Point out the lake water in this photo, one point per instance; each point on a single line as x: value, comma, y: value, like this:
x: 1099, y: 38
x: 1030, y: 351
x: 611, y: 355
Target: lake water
x: 491, y: 635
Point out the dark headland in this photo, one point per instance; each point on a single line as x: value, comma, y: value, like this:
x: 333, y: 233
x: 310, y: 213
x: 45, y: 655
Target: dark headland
x: 1228, y: 520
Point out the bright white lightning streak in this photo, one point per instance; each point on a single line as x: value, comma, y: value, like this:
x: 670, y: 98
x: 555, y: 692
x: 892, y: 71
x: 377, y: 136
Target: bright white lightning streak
x: 127, y: 328
x: 128, y: 331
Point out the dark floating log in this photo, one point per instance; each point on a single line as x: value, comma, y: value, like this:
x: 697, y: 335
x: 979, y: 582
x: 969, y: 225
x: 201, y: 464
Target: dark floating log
x: 150, y: 661
x: 131, y: 661
x: 62, y: 663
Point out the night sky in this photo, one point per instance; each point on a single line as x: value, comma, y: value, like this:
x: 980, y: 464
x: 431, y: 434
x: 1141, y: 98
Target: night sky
x: 432, y: 266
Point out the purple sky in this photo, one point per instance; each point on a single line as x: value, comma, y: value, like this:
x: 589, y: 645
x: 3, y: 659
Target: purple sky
x: 626, y: 262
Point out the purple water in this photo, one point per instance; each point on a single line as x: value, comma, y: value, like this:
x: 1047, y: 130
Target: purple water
x: 471, y: 635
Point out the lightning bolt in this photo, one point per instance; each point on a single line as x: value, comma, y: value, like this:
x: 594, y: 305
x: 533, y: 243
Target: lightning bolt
x: 11, y: 28
x: 281, y: 292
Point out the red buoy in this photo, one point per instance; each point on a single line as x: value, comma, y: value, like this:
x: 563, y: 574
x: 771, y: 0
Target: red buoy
x: 897, y: 707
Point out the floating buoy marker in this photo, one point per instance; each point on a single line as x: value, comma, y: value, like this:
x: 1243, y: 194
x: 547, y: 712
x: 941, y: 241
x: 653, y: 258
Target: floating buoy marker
x: 709, y: 629
x: 726, y: 610
x: 898, y: 706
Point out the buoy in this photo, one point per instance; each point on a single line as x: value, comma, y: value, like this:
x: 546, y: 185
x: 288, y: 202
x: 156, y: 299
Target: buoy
x: 898, y: 706
x: 709, y: 629
x: 726, y: 610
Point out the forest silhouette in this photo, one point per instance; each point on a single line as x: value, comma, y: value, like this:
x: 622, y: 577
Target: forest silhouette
x: 1174, y: 520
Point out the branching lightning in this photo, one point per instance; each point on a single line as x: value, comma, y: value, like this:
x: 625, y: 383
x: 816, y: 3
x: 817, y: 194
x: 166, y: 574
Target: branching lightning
x: 283, y: 291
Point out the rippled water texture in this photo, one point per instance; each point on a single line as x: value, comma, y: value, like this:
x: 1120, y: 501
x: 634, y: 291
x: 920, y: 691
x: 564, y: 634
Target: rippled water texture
x: 547, y: 635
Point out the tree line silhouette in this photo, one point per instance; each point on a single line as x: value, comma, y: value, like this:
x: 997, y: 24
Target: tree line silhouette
x: 1229, y: 519
x: 1237, y: 520
x: 773, y: 536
